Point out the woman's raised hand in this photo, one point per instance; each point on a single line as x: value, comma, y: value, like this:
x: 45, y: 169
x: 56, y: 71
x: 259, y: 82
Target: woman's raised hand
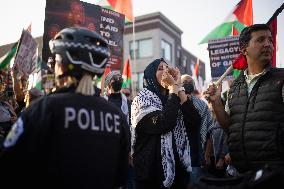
x: 167, y: 79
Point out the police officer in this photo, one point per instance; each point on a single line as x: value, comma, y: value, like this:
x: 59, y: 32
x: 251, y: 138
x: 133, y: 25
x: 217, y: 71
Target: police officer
x: 71, y: 138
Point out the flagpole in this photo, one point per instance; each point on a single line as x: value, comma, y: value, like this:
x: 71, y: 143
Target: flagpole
x: 229, y: 70
x: 276, y: 13
x: 196, y: 73
x: 133, y: 84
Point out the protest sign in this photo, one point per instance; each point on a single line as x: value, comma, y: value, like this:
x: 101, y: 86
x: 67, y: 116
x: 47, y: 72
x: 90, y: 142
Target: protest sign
x: 26, y: 56
x: 222, y: 53
x: 60, y: 14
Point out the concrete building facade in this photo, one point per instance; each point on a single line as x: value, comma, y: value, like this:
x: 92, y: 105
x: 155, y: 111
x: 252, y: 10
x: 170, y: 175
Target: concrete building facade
x: 156, y: 37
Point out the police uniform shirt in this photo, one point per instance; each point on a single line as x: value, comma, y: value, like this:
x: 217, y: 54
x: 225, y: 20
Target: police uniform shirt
x: 71, y: 139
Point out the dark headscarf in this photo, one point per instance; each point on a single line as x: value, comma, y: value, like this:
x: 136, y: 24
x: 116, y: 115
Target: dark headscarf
x: 150, y: 80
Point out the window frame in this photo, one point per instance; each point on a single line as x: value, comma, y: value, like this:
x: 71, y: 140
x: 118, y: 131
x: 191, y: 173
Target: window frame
x: 162, y: 49
x: 137, y: 50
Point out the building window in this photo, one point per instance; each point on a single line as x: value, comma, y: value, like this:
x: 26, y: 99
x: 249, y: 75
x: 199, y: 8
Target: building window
x: 184, y: 61
x: 178, y: 53
x: 143, y: 48
x: 166, y: 50
x: 140, y: 80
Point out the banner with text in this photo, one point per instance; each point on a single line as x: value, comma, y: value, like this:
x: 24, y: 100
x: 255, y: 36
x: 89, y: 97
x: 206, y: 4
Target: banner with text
x: 26, y: 57
x: 60, y: 14
x: 222, y: 53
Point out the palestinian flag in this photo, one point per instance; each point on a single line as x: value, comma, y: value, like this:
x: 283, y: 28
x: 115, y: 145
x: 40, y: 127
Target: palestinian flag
x: 236, y: 21
x: 196, y: 68
x: 101, y: 80
x: 120, y: 6
x: 273, y: 28
x: 6, y: 59
x: 126, y: 75
x: 240, y: 62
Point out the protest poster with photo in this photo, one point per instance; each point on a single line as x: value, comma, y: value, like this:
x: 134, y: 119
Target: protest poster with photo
x: 111, y: 28
x: 26, y: 56
x: 60, y: 14
x: 222, y: 53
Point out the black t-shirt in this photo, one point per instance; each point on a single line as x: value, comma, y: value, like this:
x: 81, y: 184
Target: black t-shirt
x: 116, y: 99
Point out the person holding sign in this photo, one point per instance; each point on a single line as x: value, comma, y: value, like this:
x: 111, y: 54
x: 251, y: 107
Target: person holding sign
x: 254, y: 116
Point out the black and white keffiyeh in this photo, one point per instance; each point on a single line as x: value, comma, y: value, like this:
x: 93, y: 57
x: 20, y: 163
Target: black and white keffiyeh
x: 146, y: 102
x: 124, y: 106
x: 207, y: 121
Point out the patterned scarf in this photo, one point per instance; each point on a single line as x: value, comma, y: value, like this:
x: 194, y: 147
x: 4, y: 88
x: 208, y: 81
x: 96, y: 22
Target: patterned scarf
x: 150, y: 81
x: 146, y: 102
x: 207, y: 121
x: 124, y: 106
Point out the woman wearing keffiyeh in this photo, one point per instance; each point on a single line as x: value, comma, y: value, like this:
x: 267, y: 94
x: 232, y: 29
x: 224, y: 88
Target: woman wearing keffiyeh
x: 161, y: 152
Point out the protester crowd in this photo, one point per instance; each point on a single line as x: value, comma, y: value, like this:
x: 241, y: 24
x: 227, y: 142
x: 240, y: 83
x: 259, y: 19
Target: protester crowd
x: 80, y: 136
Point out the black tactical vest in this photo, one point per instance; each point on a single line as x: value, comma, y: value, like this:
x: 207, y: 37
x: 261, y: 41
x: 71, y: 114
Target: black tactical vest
x: 256, y: 132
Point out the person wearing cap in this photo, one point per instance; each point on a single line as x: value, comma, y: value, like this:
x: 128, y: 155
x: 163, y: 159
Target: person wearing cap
x: 70, y: 138
x: 199, y: 132
x: 113, y: 83
x: 254, y: 116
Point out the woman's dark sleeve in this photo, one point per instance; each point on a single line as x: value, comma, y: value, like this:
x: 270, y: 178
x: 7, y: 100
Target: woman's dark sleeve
x: 159, y: 122
x: 191, y: 116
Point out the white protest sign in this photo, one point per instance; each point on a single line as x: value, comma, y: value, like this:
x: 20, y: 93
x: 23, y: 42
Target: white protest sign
x: 26, y: 53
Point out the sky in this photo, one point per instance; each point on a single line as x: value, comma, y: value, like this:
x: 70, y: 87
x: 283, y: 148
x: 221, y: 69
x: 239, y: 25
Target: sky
x: 196, y: 18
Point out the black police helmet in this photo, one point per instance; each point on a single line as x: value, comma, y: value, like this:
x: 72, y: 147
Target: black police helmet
x: 81, y: 50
